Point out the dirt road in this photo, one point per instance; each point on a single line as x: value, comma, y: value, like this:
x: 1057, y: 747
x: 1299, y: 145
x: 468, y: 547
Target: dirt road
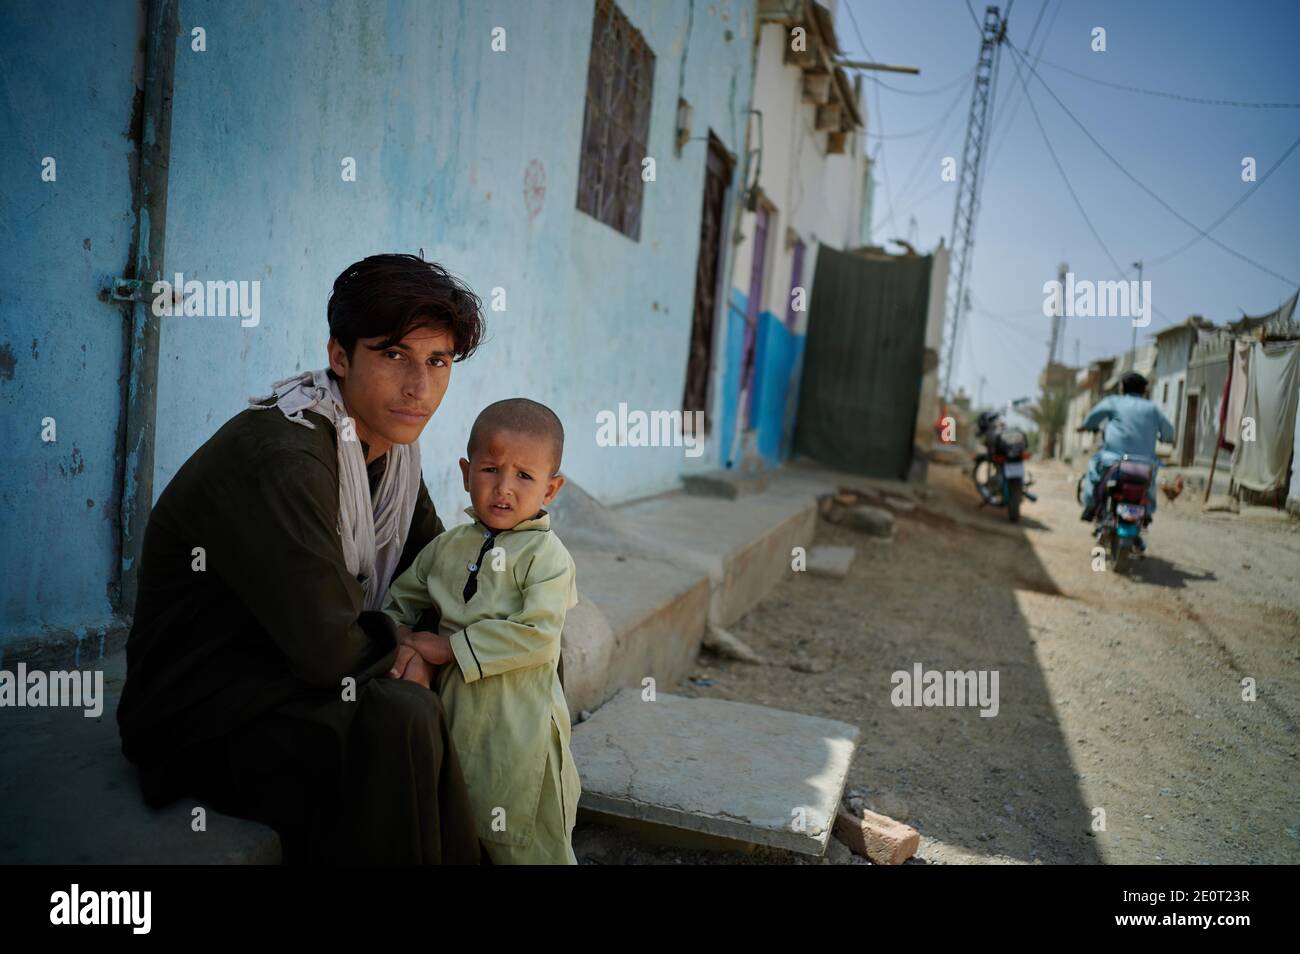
x: 1122, y: 734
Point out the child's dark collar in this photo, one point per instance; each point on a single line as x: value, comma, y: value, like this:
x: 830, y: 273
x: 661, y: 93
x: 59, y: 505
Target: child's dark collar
x: 541, y: 521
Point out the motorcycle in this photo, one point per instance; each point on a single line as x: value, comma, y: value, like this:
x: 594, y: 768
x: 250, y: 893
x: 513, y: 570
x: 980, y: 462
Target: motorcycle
x: 999, y: 471
x: 1122, y: 510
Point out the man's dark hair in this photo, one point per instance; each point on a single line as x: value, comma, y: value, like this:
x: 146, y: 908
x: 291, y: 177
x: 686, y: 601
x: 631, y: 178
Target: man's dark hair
x: 1133, y: 383
x: 523, y: 417
x: 389, y: 295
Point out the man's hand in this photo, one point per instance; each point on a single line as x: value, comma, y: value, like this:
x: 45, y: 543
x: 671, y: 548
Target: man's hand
x: 411, y: 666
x: 431, y: 647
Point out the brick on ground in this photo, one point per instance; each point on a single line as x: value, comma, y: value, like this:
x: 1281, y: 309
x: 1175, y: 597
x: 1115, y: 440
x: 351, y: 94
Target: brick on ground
x: 883, y: 840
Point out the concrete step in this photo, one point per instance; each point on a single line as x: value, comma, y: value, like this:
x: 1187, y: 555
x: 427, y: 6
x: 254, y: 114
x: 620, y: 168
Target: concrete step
x: 727, y: 770
x: 656, y: 611
x: 657, y: 571
x: 743, y: 545
x: 69, y: 796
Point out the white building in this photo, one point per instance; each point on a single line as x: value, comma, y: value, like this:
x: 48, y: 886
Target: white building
x: 806, y: 182
x: 1169, y: 378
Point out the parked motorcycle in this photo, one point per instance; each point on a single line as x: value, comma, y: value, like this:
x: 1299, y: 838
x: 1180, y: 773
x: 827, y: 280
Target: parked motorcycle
x: 999, y: 472
x: 1122, y: 510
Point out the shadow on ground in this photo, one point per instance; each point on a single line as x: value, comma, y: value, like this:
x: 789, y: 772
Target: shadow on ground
x: 945, y: 594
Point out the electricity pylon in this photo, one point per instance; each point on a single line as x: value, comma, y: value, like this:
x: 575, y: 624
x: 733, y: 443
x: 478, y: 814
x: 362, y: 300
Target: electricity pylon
x: 993, y: 32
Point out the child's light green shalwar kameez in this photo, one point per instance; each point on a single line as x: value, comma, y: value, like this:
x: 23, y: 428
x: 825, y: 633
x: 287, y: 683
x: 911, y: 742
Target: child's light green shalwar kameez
x: 505, y: 707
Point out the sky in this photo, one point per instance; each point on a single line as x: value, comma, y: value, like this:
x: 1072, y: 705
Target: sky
x: 1188, y: 154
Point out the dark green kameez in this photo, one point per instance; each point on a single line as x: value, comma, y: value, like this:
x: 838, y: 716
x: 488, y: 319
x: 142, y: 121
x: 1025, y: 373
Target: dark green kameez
x: 239, y: 650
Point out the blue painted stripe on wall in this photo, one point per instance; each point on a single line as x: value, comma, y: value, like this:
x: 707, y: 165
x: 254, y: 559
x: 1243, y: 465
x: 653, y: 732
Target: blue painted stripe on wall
x: 733, y: 351
x: 778, y: 359
x: 780, y: 353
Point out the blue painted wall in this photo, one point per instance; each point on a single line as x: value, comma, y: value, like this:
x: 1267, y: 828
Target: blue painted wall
x: 68, y: 82
x: 780, y: 353
x: 470, y: 154
x: 778, y: 359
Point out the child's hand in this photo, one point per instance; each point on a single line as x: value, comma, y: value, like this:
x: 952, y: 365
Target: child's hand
x: 409, y: 665
x: 433, y: 648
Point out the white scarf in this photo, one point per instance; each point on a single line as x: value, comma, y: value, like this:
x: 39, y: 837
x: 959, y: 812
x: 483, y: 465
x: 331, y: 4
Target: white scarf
x: 372, y: 531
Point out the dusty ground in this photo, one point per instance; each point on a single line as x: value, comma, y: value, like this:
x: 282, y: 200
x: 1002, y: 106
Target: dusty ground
x: 1122, y: 694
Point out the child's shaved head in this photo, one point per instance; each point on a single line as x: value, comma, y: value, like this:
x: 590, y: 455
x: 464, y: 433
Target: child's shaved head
x: 521, y: 416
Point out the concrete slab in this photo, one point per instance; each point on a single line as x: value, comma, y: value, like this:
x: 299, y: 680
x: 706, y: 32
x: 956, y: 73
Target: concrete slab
x: 831, y: 561
x: 727, y: 769
x: 69, y: 796
x: 656, y: 615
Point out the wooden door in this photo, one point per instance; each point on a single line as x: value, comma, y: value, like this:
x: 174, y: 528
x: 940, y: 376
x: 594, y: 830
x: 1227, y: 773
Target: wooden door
x: 717, y: 179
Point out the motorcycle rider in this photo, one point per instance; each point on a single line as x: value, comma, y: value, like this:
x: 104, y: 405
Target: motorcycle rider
x: 1132, y: 425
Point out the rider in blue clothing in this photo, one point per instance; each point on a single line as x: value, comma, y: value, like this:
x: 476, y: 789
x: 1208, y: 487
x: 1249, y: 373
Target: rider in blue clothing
x: 1132, y: 425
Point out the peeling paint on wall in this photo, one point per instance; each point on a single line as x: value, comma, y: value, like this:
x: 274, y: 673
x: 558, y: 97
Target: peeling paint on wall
x: 534, y: 187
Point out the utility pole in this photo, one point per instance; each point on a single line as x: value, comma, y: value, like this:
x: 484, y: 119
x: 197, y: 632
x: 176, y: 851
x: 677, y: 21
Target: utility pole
x: 1138, y: 266
x: 1058, y: 319
x: 993, y: 32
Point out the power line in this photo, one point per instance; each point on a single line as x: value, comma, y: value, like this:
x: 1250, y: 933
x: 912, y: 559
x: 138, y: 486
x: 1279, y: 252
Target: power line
x: 880, y: 122
x: 1006, y: 323
x: 914, y: 132
x: 1047, y: 141
x: 941, y: 187
x: 1136, y: 181
x: 1029, y: 45
x: 884, y: 170
x: 1232, y: 208
x: 920, y: 92
x: 925, y: 155
x: 861, y: 42
x: 1200, y: 100
x: 1015, y: 107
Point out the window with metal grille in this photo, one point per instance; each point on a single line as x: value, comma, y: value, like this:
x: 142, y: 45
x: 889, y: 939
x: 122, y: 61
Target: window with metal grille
x: 616, y: 123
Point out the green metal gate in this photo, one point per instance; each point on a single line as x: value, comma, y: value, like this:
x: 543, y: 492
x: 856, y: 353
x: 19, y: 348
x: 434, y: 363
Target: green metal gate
x: 862, y: 366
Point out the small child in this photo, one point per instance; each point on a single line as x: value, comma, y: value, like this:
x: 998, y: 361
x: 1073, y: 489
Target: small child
x: 503, y: 585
